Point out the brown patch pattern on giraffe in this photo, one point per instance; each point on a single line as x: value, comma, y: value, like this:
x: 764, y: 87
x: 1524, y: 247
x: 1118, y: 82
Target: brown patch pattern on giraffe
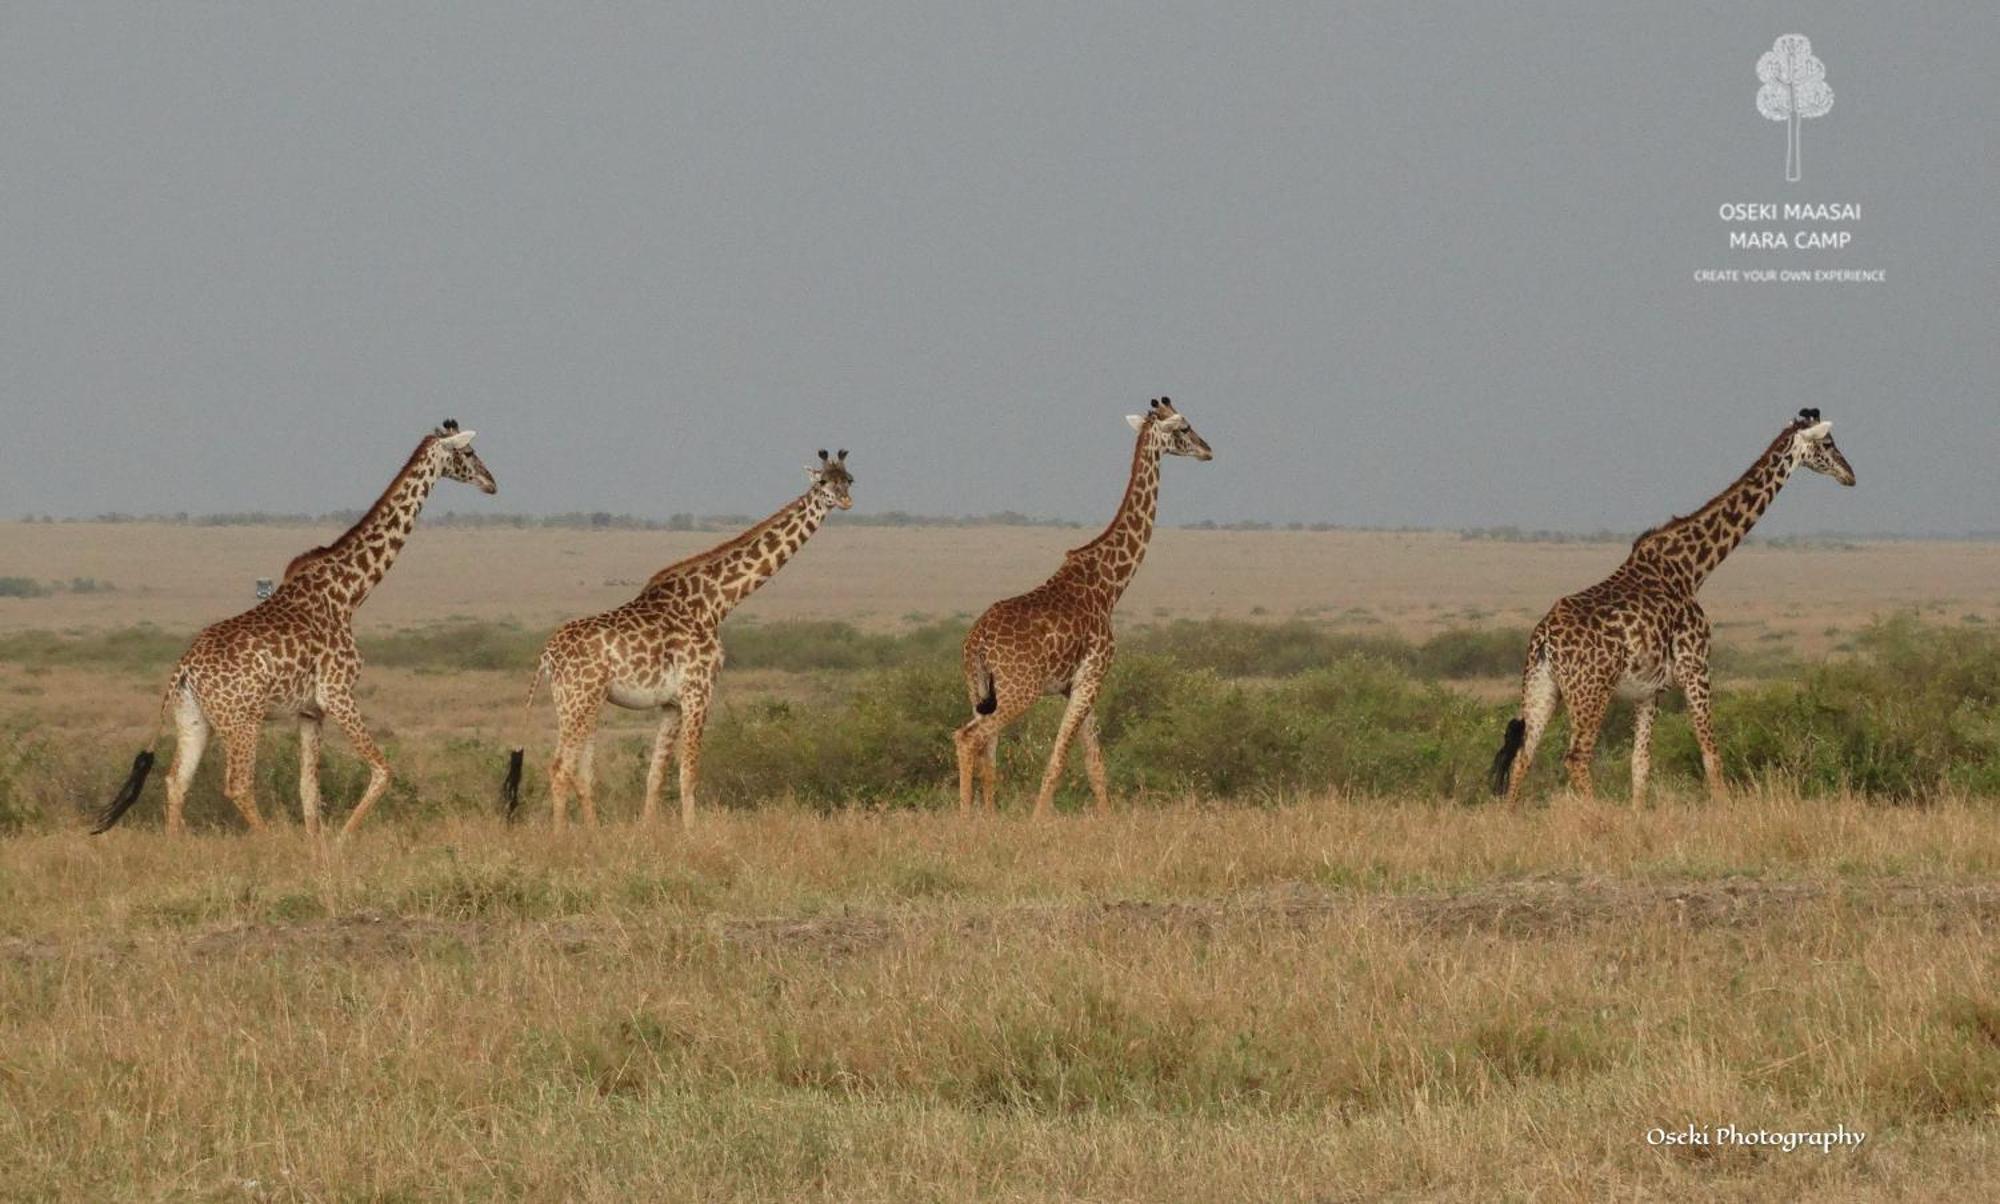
x: 293, y: 654
x: 1640, y: 630
x: 1056, y: 638
x: 663, y: 650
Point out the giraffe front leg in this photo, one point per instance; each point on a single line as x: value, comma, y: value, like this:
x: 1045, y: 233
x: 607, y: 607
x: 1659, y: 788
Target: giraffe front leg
x: 1694, y: 685
x: 1093, y: 762
x: 663, y: 754
x: 1586, y: 716
x: 586, y: 781
x: 309, y: 740
x: 1083, y: 692
x: 341, y: 709
x: 240, y: 770
x: 1642, y: 744
x: 694, y: 717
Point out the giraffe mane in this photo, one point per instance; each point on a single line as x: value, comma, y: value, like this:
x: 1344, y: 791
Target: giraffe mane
x: 306, y: 558
x: 1131, y: 481
x: 728, y: 545
x: 1784, y: 438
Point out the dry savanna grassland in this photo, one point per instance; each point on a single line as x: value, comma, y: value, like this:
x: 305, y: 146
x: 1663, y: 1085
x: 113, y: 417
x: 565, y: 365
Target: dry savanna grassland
x: 1304, y: 959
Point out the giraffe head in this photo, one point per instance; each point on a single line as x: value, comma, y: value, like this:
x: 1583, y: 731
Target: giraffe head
x: 456, y: 459
x: 830, y: 480
x: 1812, y: 446
x: 1169, y: 432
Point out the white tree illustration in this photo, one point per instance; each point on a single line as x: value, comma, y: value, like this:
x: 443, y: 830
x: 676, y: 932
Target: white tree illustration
x: 1794, y: 88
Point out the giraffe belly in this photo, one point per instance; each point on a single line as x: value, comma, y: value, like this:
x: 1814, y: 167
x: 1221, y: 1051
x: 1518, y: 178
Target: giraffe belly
x: 1643, y: 681
x: 646, y: 695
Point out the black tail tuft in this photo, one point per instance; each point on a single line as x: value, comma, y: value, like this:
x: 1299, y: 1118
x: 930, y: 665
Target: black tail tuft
x: 127, y: 794
x: 990, y: 703
x: 1503, y: 761
x: 510, y: 790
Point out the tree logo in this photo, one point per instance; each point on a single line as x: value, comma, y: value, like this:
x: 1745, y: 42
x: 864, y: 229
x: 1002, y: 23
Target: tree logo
x: 1794, y: 88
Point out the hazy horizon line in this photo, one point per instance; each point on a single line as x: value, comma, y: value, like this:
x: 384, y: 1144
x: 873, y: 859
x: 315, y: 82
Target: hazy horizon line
x: 688, y: 521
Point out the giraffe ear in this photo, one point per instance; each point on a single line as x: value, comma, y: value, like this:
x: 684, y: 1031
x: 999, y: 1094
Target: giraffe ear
x: 1137, y: 423
x: 459, y: 440
x: 1818, y: 430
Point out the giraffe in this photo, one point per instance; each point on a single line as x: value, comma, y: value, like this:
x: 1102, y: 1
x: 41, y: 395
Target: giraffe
x: 293, y: 653
x: 662, y: 651
x: 1056, y: 638
x: 1640, y: 630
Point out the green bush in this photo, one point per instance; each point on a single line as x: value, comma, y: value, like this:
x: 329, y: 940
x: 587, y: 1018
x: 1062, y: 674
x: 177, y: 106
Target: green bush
x: 442, y: 647
x: 1915, y: 710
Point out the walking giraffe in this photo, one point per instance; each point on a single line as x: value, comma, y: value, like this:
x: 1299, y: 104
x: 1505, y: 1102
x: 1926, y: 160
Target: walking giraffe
x: 663, y: 650
x: 1056, y: 638
x: 1640, y: 629
x: 293, y: 653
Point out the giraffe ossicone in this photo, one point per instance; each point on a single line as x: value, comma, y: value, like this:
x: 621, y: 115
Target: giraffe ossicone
x: 293, y: 653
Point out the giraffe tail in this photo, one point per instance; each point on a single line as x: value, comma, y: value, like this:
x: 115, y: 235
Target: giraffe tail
x: 989, y: 697
x: 142, y: 766
x: 126, y: 796
x: 1503, y: 761
x: 510, y: 789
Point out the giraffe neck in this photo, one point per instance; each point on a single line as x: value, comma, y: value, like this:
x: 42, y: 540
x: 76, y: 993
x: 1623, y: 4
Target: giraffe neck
x: 1113, y: 558
x: 346, y: 570
x: 736, y: 569
x: 1689, y: 549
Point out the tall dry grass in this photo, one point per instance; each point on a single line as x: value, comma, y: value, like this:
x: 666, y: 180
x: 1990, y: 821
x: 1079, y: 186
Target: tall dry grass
x: 1329, y: 999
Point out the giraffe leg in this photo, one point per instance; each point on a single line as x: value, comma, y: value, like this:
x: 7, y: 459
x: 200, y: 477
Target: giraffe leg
x: 965, y: 742
x: 1082, y: 693
x: 309, y: 733
x: 586, y: 781
x: 559, y: 784
x: 341, y: 709
x: 694, y: 716
x: 1539, y: 699
x: 1693, y: 674
x: 989, y: 772
x: 576, y: 727
x: 663, y: 754
x: 1642, y: 744
x: 1093, y: 762
x: 1586, y: 715
x: 191, y: 740
x: 239, y: 747
x: 978, y: 741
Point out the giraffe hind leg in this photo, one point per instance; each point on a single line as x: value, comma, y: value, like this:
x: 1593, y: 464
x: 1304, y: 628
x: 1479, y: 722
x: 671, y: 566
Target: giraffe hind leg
x: 190, y: 741
x: 979, y: 743
x: 1540, y: 696
x: 1586, y: 716
x: 239, y: 746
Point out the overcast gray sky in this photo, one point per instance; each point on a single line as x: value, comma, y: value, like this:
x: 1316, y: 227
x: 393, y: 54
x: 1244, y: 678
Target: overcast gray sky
x: 1423, y: 263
